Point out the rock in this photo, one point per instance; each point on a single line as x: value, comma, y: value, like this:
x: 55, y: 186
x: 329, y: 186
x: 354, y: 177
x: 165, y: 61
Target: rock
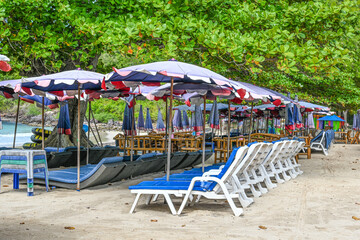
x: 110, y: 122
x: 35, y: 119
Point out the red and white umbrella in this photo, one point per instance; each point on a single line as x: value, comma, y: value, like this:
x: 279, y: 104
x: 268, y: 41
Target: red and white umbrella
x: 4, y: 66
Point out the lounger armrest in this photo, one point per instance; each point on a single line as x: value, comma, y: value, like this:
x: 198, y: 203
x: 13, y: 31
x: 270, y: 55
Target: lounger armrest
x: 211, y: 173
x: 202, y: 179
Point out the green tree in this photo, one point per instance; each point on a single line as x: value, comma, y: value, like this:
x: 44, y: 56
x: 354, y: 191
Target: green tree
x: 305, y: 47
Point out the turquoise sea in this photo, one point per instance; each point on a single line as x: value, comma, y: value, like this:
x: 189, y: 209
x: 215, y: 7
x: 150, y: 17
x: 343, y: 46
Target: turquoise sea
x: 7, y: 134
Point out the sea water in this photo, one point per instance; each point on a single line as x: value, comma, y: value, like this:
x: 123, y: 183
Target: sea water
x: 23, y: 134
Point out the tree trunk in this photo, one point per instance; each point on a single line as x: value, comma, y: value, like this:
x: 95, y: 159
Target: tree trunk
x: 70, y: 140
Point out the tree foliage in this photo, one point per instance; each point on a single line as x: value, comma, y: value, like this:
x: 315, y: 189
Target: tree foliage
x: 310, y: 48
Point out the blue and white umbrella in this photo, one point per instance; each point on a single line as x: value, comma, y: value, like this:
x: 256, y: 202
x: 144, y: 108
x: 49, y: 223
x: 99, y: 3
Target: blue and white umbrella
x: 160, y: 126
x: 186, y: 123
x: 127, y: 121
x: 141, y: 124
x: 64, y: 126
x: 214, y: 116
x: 148, y: 122
x: 197, y: 119
x: 177, y: 121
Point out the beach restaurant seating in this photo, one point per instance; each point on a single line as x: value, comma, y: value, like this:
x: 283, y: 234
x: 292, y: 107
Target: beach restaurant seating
x: 26, y: 162
x: 355, y: 139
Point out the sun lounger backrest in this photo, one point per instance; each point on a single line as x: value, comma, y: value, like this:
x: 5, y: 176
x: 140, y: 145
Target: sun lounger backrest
x: 264, y: 150
x: 236, y: 156
x: 317, y: 137
x: 250, y: 156
x: 275, y: 150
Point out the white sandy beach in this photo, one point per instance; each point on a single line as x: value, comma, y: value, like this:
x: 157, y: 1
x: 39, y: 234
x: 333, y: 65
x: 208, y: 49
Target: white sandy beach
x: 319, y: 204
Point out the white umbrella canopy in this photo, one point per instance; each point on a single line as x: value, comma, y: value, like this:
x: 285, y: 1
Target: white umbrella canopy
x: 4, y: 66
x: 4, y: 58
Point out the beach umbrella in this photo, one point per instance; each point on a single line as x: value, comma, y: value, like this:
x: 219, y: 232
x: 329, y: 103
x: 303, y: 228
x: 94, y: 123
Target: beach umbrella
x: 178, y: 72
x: 331, y: 118
x: 214, y: 116
x: 160, y: 126
x: 313, y: 106
x: 148, y: 122
x: 197, y: 120
x: 297, y: 117
x: 186, y: 123
x: 289, y: 116
x: 356, y: 121
x: 63, y: 125
x: 66, y: 83
x: 141, y: 124
x: 309, y: 122
x: 333, y: 121
x: 4, y: 66
x: 177, y: 120
x: 127, y: 121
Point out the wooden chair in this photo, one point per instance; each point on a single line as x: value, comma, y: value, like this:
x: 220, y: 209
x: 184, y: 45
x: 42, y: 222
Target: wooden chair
x: 306, y: 147
x: 355, y: 139
x: 191, y: 144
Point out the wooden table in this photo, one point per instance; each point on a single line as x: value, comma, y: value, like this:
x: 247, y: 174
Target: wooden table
x: 342, y: 137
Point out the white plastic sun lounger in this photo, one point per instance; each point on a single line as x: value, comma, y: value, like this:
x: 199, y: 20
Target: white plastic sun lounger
x: 206, y: 186
x: 318, y: 143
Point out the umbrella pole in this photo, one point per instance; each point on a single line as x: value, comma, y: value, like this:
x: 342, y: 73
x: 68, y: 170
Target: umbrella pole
x: 169, y: 131
x: 88, y: 136
x: 220, y: 132
x: 203, y: 143
x: 228, y: 131
x: 16, y: 121
x: 42, y: 125
x: 97, y: 131
x: 166, y: 124
x: 132, y: 133
x: 92, y: 131
x: 251, y: 120
x: 78, y: 141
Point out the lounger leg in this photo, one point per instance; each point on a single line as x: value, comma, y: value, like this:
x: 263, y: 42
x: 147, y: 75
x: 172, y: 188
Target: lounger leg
x: 170, y: 203
x: 267, y: 179
x: 187, y: 195
x: 156, y: 196
x: 148, y: 199
x: 244, y: 200
x: 135, y: 202
x: 193, y: 200
x: 278, y: 179
x: 237, y: 211
x: 255, y: 192
x: 262, y: 190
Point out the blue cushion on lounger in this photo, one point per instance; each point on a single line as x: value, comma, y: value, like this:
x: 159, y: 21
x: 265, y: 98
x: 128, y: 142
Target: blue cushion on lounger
x: 172, y: 185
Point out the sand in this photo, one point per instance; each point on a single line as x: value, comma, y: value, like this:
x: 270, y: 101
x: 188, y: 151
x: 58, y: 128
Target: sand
x: 319, y: 204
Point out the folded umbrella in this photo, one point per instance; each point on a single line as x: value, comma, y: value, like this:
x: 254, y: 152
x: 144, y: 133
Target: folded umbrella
x: 160, y: 126
x: 214, y: 116
x: 128, y: 116
x: 148, y: 122
x: 141, y: 124
x: 64, y: 126
x: 197, y: 119
x: 177, y: 121
x: 186, y: 124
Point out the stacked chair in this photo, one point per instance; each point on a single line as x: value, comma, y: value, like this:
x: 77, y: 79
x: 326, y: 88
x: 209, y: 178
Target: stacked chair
x: 248, y: 173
